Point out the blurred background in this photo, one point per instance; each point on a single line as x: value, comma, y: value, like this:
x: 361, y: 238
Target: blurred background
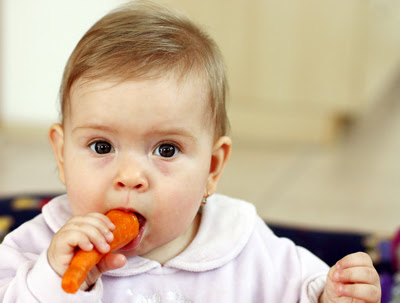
x: 314, y: 102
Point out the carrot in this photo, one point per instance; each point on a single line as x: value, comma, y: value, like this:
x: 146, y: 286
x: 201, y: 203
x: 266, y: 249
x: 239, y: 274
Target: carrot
x: 126, y: 229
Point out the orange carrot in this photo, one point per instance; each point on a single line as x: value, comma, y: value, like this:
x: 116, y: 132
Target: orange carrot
x: 126, y: 229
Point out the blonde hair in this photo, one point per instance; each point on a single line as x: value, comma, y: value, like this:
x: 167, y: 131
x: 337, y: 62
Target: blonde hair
x: 145, y: 40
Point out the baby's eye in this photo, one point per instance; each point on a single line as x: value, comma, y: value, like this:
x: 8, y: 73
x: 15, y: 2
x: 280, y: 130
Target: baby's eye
x: 102, y: 147
x: 166, y: 150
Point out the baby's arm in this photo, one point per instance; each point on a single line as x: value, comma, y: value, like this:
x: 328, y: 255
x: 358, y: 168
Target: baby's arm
x: 86, y: 232
x: 352, y: 279
x: 25, y: 271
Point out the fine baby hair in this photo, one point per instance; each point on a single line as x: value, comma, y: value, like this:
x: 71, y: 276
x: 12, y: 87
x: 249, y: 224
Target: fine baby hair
x: 143, y: 40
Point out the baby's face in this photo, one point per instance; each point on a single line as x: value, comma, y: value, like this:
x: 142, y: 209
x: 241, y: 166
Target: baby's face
x: 144, y: 146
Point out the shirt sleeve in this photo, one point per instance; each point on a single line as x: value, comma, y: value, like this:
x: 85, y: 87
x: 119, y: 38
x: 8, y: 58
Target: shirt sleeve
x: 45, y: 285
x: 312, y: 288
x: 33, y: 280
x: 25, y: 273
x: 297, y: 274
x: 314, y: 272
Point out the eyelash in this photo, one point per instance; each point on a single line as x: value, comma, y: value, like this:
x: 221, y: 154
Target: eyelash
x: 92, y: 146
x: 177, y: 149
x: 168, y: 143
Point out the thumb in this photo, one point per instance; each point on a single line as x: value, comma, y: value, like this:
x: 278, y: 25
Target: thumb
x: 108, y: 262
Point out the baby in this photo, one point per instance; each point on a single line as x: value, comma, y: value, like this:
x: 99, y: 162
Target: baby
x: 144, y: 130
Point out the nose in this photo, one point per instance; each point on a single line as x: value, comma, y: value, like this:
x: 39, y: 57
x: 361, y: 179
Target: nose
x: 131, y: 176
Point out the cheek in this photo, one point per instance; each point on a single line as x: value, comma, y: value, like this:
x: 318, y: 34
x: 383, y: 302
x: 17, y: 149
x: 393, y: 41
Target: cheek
x: 176, y: 209
x: 83, y: 189
x: 183, y: 190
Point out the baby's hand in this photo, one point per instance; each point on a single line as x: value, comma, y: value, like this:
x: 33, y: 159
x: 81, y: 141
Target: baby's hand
x: 352, y: 280
x: 85, y: 232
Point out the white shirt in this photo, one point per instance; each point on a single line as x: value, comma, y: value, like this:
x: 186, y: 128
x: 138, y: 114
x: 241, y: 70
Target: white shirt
x: 234, y: 257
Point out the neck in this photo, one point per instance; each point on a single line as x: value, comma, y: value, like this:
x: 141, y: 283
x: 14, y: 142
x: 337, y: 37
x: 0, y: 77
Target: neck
x: 172, y: 249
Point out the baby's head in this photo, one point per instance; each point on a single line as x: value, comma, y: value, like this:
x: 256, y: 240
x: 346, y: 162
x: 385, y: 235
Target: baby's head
x: 145, y: 41
x: 144, y: 124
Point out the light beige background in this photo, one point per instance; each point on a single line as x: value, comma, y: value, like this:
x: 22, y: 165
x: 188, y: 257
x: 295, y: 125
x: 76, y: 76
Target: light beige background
x: 314, y: 105
x: 299, y: 68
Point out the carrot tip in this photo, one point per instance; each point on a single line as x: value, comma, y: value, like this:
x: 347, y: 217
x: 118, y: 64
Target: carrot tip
x: 70, y: 286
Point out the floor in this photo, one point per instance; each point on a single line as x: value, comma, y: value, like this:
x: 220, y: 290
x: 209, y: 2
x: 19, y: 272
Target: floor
x: 352, y: 186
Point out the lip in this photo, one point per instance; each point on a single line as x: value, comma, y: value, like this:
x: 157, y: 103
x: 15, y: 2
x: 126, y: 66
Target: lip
x: 136, y: 242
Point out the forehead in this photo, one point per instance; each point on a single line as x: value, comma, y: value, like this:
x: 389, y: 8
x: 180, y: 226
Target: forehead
x: 161, y: 99
x: 177, y: 81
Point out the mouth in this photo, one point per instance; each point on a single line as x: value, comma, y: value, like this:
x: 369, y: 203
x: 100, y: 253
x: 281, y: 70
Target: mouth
x: 136, y: 242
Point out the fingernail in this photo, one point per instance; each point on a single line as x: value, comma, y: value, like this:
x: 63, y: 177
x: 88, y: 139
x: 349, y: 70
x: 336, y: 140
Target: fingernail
x: 106, y: 247
x: 109, y: 236
x: 336, y: 276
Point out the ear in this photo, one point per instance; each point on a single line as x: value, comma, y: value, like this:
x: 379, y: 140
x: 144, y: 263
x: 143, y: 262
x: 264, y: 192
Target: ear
x: 56, y: 138
x: 219, y: 158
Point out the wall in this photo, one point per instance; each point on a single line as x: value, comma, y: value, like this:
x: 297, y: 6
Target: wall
x: 383, y: 47
x: 295, y: 67
x: 38, y: 37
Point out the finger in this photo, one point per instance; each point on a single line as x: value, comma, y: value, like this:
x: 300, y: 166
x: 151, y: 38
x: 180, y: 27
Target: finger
x: 75, y: 238
x: 354, y: 260
x: 357, y: 275
x: 111, y: 262
x: 96, y: 238
x: 62, y: 248
x: 95, y: 220
x: 106, y: 220
x: 366, y: 292
x: 331, y: 272
x: 85, y: 236
x: 107, y: 263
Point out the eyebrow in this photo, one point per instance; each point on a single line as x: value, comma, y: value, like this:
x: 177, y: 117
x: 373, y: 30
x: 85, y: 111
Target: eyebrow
x: 93, y: 126
x: 175, y: 131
